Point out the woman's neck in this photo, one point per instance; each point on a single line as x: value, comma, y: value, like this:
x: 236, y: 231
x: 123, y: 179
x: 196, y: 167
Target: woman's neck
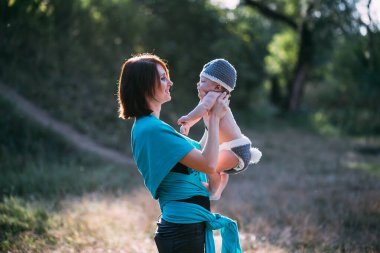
x: 155, y: 107
x: 157, y: 114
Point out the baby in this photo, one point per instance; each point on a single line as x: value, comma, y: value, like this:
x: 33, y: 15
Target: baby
x: 235, y: 149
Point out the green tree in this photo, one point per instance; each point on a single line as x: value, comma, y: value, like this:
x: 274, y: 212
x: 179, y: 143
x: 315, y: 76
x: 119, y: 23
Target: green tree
x: 314, y: 23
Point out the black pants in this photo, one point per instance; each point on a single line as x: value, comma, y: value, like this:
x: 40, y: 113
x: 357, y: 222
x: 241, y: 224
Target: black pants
x: 180, y: 238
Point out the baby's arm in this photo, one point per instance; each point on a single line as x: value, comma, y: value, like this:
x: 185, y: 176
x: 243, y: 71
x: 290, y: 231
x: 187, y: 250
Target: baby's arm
x: 197, y: 113
x: 191, y: 119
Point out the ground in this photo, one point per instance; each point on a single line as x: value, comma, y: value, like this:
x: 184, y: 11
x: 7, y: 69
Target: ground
x: 302, y: 197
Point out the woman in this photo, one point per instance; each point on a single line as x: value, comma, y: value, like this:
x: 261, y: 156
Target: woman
x: 171, y: 164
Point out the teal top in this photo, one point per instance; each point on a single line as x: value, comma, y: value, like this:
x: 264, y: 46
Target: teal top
x: 157, y: 148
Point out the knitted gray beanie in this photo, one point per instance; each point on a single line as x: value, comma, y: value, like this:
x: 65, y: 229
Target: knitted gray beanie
x: 221, y: 72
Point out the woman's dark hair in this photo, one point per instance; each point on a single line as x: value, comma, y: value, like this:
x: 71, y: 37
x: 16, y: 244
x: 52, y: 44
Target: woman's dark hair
x: 138, y: 79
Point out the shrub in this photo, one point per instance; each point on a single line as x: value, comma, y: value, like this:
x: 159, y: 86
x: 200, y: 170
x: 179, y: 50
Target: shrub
x: 19, y: 223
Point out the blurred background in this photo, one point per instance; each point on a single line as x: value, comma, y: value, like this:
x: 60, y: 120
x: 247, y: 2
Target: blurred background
x: 307, y: 94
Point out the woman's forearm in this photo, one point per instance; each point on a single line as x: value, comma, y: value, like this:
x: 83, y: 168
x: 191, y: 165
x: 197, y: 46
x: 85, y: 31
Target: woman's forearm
x: 211, y: 149
x: 203, y: 139
x: 207, y: 159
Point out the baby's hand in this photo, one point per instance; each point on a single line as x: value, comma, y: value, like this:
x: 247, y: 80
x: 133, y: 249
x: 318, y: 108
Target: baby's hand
x: 184, y: 130
x: 183, y: 120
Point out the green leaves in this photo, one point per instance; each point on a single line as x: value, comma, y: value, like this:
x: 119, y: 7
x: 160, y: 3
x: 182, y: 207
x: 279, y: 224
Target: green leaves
x: 19, y: 222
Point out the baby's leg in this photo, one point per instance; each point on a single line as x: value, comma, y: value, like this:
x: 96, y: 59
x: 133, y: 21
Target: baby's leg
x: 223, y: 180
x: 214, y: 180
x: 227, y: 160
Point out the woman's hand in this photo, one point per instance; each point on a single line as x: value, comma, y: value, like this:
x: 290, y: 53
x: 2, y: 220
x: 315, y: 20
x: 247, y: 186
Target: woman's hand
x: 220, y: 107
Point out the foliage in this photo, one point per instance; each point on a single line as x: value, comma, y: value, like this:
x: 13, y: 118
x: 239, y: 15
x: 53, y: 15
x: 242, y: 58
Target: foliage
x: 349, y: 97
x: 21, y: 223
x: 78, y: 46
x: 282, y: 55
x: 66, y: 55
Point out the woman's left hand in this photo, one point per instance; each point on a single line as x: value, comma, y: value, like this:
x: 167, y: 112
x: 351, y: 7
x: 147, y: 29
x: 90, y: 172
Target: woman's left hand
x: 220, y: 107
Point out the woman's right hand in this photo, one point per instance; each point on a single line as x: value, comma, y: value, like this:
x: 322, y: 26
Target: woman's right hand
x: 220, y: 107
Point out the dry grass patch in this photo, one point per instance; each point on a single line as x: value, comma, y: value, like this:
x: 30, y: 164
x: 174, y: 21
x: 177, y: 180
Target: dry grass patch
x: 108, y: 224
x: 303, y: 197
x: 300, y: 198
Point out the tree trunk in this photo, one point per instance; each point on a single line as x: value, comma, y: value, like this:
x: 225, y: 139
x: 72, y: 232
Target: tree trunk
x: 297, y: 82
x: 275, y: 94
x: 296, y: 88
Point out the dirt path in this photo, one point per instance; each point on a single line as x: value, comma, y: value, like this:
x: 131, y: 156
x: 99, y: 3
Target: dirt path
x: 70, y: 134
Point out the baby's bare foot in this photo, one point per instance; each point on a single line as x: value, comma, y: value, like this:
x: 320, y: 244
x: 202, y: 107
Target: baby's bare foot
x: 215, y: 196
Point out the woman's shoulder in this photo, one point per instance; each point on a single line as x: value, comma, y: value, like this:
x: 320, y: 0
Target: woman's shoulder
x: 146, y: 121
x: 150, y: 124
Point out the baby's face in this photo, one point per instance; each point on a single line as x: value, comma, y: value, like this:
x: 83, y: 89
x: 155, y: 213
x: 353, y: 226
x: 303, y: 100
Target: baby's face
x: 205, y: 85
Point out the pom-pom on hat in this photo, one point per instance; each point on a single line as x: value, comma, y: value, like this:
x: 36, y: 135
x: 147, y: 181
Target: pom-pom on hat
x: 221, y: 72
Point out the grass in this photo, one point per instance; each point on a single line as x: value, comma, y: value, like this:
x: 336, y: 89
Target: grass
x: 304, y: 196
x: 23, y: 227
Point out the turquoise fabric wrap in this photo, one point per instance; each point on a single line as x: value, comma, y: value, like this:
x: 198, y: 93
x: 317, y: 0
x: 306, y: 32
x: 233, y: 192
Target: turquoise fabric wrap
x: 157, y: 147
x: 180, y: 186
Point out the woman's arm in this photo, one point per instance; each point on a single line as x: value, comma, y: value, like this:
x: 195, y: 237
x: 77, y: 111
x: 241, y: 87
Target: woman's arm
x: 203, y: 139
x: 206, y: 160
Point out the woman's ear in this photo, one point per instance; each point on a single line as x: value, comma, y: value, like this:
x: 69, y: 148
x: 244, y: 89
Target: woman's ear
x: 219, y: 87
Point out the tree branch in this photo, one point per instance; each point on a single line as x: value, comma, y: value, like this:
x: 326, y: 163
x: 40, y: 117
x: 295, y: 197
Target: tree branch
x: 369, y: 11
x: 266, y: 11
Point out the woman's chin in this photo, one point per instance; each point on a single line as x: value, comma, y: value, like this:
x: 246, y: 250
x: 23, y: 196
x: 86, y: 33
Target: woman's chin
x: 169, y: 98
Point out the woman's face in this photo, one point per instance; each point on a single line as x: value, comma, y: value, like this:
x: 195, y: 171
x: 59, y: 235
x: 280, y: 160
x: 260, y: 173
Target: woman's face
x: 162, y: 91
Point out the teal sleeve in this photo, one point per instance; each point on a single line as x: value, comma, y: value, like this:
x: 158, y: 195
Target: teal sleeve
x: 157, y: 147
